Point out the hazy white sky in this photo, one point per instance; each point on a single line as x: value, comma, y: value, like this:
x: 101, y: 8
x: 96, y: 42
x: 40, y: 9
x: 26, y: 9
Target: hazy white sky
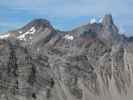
x: 65, y: 14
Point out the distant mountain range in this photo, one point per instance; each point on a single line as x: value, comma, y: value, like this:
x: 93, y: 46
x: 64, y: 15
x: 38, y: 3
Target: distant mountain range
x: 91, y: 62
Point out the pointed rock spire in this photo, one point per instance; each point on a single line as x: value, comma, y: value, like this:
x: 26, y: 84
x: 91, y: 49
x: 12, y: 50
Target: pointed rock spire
x: 108, y: 24
x: 107, y: 20
x: 109, y: 30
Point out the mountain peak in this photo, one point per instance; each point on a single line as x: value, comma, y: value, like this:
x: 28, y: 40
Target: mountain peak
x: 33, y: 28
x: 107, y: 20
x: 40, y: 23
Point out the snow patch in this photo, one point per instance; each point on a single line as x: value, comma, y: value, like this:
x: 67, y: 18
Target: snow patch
x: 69, y: 37
x: 93, y: 20
x: 100, y: 20
x: 3, y: 36
x: 30, y: 32
x: 20, y: 32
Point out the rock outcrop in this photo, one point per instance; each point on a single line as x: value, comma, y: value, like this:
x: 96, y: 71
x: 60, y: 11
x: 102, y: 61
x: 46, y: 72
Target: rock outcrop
x: 91, y: 62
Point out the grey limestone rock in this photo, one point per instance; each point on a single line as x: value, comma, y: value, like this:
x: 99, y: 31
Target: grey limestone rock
x: 91, y: 62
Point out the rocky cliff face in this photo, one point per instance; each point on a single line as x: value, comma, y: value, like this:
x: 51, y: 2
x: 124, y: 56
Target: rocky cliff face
x: 91, y: 62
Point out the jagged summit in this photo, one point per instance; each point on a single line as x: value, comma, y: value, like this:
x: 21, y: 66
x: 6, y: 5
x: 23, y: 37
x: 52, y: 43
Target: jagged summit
x: 107, y: 20
x: 109, y: 31
x: 41, y: 29
x: 105, y: 29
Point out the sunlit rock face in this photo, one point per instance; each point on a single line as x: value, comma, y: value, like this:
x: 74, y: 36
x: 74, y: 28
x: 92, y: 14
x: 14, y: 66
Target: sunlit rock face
x: 91, y: 62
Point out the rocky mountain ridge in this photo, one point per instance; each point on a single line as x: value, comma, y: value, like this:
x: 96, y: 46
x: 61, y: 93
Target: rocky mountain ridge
x: 91, y: 62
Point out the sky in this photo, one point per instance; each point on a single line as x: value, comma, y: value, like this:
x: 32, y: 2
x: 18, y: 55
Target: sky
x: 65, y: 14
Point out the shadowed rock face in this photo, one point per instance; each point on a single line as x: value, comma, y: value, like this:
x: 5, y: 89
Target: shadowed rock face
x: 92, y: 62
x: 107, y: 20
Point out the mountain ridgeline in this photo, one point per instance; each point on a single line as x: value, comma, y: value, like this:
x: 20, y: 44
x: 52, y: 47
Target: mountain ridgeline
x: 91, y: 62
